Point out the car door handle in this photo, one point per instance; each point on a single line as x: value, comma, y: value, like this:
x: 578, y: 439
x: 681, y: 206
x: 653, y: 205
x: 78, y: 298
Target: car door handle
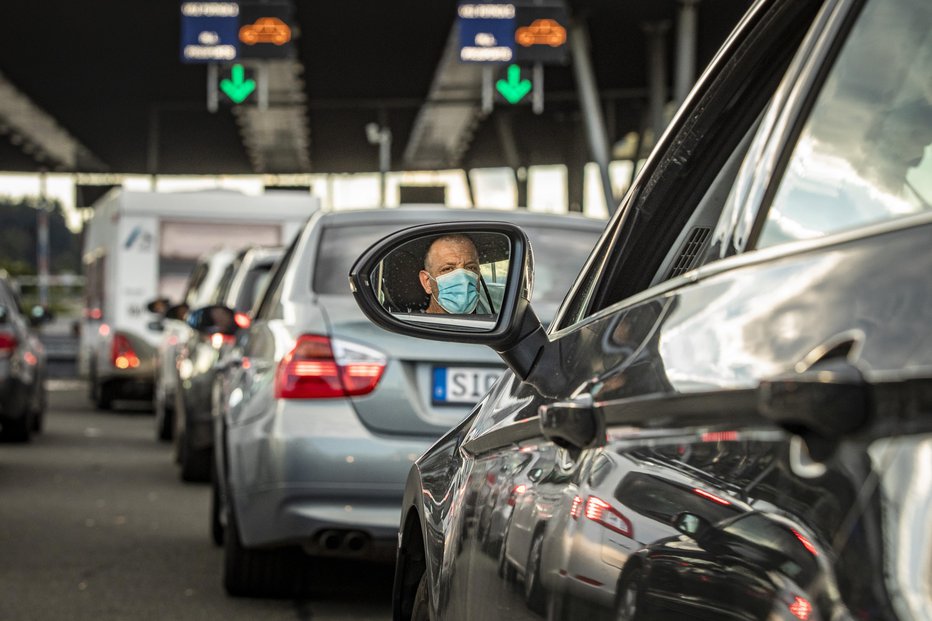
x: 829, y: 399
x: 574, y: 424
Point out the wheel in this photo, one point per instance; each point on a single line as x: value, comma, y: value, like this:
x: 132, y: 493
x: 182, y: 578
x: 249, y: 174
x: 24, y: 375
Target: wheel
x: 38, y: 412
x: 164, y: 418
x: 216, y: 510
x: 103, y: 396
x: 194, y: 462
x: 628, y: 605
x: 256, y: 573
x: 420, y: 610
x: 534, y: 595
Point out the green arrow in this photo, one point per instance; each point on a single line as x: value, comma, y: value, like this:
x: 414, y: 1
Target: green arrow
x: 515, y: 88
x: 239, y: 88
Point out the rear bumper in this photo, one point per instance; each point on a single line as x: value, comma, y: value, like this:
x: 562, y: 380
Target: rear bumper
x: 306, y: 467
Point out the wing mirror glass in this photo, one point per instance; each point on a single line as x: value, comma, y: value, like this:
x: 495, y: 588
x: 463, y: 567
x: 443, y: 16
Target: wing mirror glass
x: 691, y: 524
x: 215, y: 319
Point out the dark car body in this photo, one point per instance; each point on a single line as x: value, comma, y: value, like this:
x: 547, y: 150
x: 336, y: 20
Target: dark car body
x: 22, y: 370
x: 242, y: 282
x: 751, y: 333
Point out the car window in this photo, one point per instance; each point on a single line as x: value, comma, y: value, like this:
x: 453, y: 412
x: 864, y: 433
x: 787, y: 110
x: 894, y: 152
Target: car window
x: 194, y: 283
x: 269, y: 305
x: 864, y: 155
x: 666, y: 220
x: 253, y: 284
x: 223, y: 287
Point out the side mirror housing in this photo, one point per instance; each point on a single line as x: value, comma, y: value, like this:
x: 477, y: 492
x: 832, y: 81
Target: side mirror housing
x: 38, y: 315
x: 178, y: 311
x: 4, y: 314
x: 464, y: 282
x: 215, y: 319
x: 692, y: 525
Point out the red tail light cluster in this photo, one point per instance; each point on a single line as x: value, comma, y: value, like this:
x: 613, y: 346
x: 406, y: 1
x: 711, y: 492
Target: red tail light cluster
x: 8, y: 343
x: 801, y: 608
x: 122, y: 354
x: 602, y: 514
x: 321, y: 368
x: 516, y: 491
x: 243, y: 320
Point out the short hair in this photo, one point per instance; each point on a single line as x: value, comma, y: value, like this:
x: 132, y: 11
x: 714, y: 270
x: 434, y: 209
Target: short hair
x: 460, y: 237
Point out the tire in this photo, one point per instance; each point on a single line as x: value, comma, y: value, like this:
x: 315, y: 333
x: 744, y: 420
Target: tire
x: 17, y: 429
x: 164, y: 418
x: 103, y: 396
x: 256, y: 573
x: 534, y: 595
x: 628, y: 597
x: 195, y: 463
x: 216, y: 508
x: 38, y: 413
x: 420, y: 610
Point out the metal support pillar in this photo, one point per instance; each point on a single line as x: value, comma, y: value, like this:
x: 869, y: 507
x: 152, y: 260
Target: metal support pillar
x: 591, y: 108
x: 657, y: 74
x: 381, y: 135
x: 506, y: 136
x: 686, y: 38
x: 42, y: 243
x: 213, y: 97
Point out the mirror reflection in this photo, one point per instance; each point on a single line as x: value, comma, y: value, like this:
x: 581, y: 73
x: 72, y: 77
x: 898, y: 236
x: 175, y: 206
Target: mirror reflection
x: 457, y: 278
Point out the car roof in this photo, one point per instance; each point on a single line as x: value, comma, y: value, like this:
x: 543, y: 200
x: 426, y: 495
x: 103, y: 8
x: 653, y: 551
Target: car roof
x: 437, y: 213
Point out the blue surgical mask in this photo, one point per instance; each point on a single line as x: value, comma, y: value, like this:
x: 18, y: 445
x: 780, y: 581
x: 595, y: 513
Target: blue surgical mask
x: 458, y: 291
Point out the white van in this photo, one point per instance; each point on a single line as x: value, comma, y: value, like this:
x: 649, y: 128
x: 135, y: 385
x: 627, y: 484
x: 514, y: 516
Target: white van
x: 140, y: 246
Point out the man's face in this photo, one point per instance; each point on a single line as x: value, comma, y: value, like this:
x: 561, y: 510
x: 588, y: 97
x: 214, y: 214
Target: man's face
x: 445, y: 256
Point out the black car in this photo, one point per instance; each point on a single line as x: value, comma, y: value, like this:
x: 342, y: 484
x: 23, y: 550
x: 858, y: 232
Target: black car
x: 22, y: 367
x: 736, y: 395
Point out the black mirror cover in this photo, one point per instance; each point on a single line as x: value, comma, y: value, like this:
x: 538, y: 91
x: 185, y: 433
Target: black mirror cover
x: 3, y: 314
x: 215, y: 319
x: 692, y: 525
x: 39, y: 315
x: 510, y: 325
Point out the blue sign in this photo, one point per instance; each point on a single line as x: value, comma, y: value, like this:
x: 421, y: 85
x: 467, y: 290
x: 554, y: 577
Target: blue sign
x: 209, y: 32
x: 487, y: 32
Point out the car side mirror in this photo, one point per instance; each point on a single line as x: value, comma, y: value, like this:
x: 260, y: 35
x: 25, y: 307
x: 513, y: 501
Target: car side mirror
x: 215, y: 319
x: 178, y: 311
x: 4, y: 314
x: 465, y: 282
x: 38, y: 315
x: 690, y: 524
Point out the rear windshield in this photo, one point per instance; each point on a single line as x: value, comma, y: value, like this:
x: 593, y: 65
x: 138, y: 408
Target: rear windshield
x: 559, y: 254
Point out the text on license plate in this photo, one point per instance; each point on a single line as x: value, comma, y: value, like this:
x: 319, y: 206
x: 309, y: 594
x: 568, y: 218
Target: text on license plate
x: 462, y: 384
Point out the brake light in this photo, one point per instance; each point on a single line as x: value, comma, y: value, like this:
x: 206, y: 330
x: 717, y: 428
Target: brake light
x: 712, y: 497
x: 515, y: 492
x: 801, y: 608
x: 806, y: 543
x: 8, y: 343
x: 122, y: 354
x: 604, y: 514
x: 242, y: 320
x: 320, y: 368
x: 218, y: 340
x: 576, y: 507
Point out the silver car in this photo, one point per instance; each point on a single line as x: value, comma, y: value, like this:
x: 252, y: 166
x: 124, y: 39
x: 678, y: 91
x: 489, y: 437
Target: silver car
x: 22, y: 368
x: 325, y: 413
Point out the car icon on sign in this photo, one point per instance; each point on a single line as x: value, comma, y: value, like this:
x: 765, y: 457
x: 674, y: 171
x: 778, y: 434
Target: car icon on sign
x: 265, y: 30
x: 541, y: 32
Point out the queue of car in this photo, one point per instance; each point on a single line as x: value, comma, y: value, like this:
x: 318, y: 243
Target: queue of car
x: 725, y: 415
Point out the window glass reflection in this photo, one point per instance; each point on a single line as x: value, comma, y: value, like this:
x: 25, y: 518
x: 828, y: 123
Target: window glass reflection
x: 864, y: 156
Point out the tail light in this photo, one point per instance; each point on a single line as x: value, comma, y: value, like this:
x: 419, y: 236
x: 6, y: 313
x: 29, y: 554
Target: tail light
x: 716, y: 499
x: 218, y: 340
x: 122, y: 354
x: 8, y: 343
x: 321, y: 368
x: 604, y: 514
x: 242, y: 320
x: 801, y: 608
x: 515, y: 492
x: 576, y: 507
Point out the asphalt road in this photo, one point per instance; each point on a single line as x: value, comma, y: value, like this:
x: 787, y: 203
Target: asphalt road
x: 95, y: 524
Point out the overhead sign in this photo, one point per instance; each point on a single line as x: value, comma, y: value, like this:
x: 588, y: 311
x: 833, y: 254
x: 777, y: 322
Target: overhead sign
x: 237, y: 85
x: 486, y: 32
x: 514, y: 87
x: 514, y: 32
x: 266, y: 30
x: 541, y: 33
x: 209, y: 32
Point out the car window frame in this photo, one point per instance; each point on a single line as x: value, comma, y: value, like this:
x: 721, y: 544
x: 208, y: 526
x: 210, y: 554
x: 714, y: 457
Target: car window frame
x: 273, y: 291
x: 591, y: 294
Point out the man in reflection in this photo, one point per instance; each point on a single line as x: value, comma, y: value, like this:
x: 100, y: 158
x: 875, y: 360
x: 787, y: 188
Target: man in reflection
x: 451, y: 275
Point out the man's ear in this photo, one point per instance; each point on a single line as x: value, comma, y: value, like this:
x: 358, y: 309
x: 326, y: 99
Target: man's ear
x: 425, y: 281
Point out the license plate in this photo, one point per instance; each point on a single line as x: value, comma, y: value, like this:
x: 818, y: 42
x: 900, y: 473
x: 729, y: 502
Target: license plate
x: 462, y: 384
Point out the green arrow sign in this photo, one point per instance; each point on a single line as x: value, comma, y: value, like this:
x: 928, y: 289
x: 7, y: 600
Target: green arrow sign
x: 514, y: 89
x: 239, y: 88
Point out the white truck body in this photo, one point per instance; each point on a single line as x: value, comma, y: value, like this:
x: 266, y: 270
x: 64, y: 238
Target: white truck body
x: 140, y: 246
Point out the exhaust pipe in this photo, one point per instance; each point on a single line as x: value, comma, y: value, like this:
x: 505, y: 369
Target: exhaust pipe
x: 356, y: 541
x: 331, y: 540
